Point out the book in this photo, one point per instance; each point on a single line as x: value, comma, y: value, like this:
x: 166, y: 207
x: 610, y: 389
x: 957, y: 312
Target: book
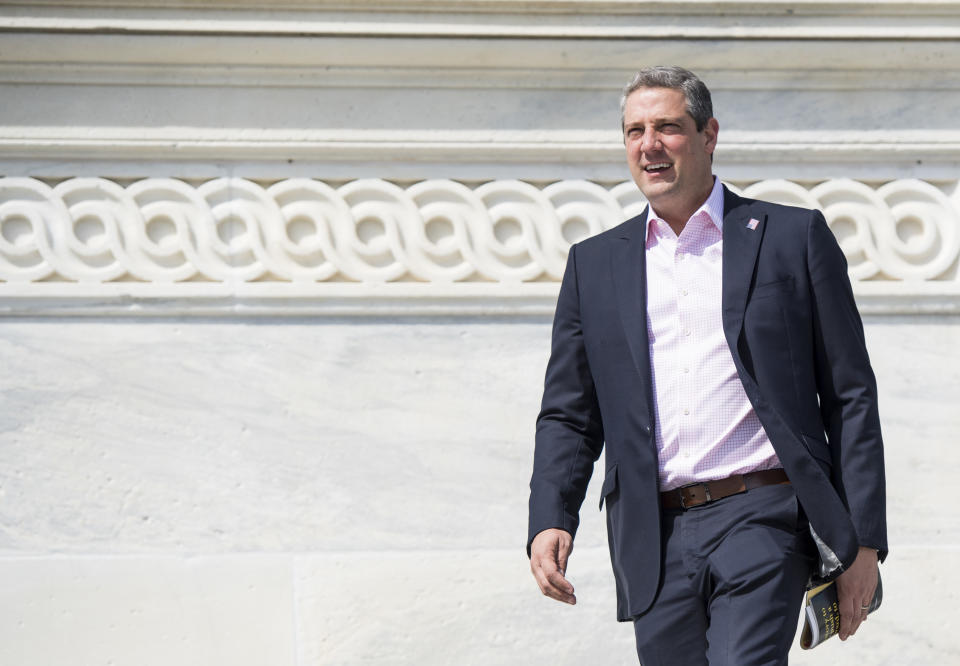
x: 822, y: 613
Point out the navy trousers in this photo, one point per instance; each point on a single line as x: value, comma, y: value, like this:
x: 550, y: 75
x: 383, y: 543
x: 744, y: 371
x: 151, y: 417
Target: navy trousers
x: 734, y: 576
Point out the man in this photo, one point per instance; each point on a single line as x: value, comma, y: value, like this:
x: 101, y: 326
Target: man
x: 712, y: 343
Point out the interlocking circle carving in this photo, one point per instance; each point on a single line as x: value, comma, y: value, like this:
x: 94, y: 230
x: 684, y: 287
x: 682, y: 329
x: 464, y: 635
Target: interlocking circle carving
x: 302, y: 231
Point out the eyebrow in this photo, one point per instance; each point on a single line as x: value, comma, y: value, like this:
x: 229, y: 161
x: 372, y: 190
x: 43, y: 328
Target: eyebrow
x: 657, y: 121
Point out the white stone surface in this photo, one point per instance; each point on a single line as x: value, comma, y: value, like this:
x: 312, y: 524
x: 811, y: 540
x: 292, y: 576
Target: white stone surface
x: 147, y: 611
x: 369, y: 476
x: 212, y: 436
x: 477, y: 606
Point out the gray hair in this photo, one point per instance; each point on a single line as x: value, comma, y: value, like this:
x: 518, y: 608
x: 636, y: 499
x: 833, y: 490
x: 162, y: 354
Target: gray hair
x: 699, y: 104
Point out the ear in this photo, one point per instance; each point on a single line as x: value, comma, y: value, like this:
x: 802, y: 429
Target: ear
x: 710, y: 132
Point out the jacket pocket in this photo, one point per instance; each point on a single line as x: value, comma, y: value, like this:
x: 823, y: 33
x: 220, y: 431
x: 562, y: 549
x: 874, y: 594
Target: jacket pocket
x: 609, y: 484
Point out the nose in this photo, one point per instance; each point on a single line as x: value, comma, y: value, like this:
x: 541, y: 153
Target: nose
x: 650, y: 141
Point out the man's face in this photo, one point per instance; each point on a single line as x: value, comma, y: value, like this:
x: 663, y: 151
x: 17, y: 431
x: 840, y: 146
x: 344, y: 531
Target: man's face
x: 668, y: 158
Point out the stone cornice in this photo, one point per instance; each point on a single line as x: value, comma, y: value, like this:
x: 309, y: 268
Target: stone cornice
x: 387, y: 300
x: 895, y: 51
x: 503, y: 19
x: 60, y: 152
x: 721, y: 8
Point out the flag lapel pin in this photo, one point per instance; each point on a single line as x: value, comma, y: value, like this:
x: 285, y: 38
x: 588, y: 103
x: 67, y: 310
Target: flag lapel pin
x: 752, y: 224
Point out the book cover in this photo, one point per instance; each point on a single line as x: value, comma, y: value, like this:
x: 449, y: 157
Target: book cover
x: 822, y: 613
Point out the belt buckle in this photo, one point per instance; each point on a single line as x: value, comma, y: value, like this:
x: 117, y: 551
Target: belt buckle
x: 707, y: 498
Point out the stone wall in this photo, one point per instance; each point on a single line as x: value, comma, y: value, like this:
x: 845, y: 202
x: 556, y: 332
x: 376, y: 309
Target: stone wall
x: 276, y: 289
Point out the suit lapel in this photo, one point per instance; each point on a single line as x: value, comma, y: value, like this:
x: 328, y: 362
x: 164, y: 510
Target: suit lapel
x: 741, y: 243
x: 629, y: 267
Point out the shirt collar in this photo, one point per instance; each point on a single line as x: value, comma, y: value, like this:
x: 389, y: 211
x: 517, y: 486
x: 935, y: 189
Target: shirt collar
x: 713, y: 207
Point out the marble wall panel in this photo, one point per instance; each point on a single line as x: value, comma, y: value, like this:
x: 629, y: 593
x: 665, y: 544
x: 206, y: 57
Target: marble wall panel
x: 390, y: 458
x: 477, y: 606
x: 918, y: 374
x: 206, y: 436
x: 127, y: 436
x: 147, y: 611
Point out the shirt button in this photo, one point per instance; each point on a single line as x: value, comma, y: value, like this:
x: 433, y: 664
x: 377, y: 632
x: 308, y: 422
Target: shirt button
x: 686, y: 412
x: 683, y: 292
x: 686, y: 370
x: 686, y: 331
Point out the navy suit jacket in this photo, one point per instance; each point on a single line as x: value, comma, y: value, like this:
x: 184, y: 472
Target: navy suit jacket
x: 797, y: 341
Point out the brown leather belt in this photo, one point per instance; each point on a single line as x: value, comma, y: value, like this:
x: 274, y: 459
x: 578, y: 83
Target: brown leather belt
x: 696, y: 494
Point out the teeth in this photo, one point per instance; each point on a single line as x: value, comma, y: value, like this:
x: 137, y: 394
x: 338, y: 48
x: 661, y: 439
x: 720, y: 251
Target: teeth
x: 662, y: 165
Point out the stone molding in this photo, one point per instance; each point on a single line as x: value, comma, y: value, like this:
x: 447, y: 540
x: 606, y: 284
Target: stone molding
x: 212, y: 88
x: 455, y: 146
x: 736, y: 19
x: 303, y: 246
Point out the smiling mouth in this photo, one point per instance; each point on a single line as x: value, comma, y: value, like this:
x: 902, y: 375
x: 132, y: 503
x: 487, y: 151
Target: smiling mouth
x: 657, y: 167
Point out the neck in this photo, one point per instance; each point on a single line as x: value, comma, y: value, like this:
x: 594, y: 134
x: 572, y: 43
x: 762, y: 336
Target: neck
x: 676, y: 214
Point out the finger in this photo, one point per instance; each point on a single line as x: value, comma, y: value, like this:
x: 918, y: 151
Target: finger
x: 857, y: 621
x: 559, y: 582
x: 850, y: 621
x: 559, y: 587
x: 549, y: 575
x: 553, y: 584
x: 848, y: 625
x: 848, y: 613
x: 563, y: 555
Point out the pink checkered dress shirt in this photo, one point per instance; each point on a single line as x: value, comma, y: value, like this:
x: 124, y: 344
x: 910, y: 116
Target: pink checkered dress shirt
x: 705, y: 425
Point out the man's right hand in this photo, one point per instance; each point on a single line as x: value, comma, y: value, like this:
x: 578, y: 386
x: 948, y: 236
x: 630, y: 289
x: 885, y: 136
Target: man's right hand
x: 548, y: 562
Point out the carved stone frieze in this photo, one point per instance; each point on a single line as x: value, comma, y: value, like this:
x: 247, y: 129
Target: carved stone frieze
x: 302, y: 240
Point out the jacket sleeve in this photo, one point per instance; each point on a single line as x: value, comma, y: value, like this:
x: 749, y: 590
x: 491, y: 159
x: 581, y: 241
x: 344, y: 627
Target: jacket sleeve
x: 847, y: 389
x: 569, y: 434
